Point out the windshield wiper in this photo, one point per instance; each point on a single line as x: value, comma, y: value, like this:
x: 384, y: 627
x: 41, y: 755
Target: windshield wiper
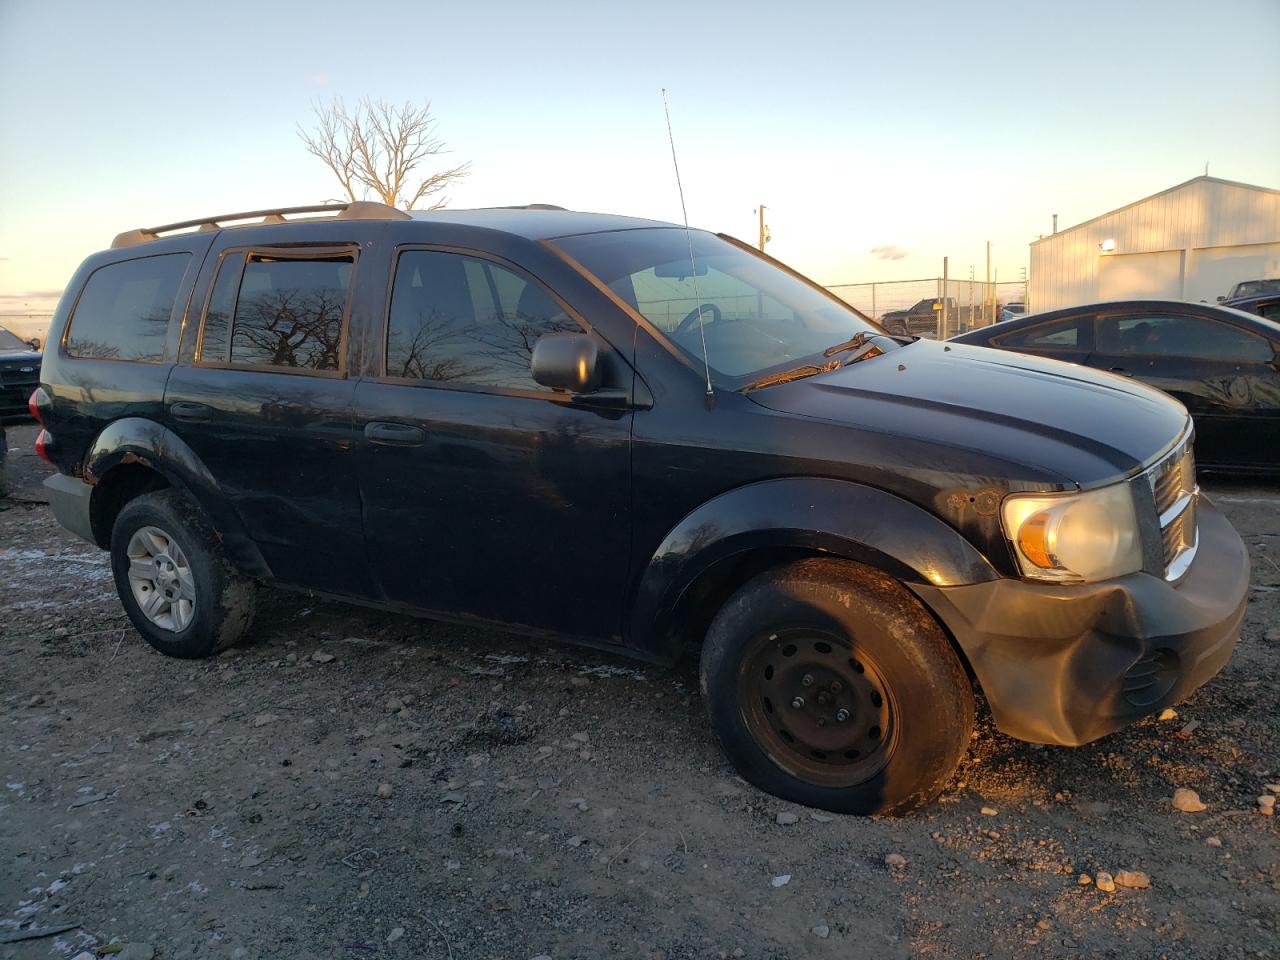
x: 853, y: 343
x: 786, y: 376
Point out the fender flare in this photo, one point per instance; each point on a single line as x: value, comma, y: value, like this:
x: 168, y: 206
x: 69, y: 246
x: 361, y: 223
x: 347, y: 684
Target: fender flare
x: 815, y: 515
x: 151, y: 444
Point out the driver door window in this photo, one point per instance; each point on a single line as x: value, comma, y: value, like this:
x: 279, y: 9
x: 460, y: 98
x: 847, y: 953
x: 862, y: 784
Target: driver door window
x: 469, y: 322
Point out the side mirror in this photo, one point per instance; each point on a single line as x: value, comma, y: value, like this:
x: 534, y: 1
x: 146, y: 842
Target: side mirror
x: 1222, y: 299
x: 566, y: 361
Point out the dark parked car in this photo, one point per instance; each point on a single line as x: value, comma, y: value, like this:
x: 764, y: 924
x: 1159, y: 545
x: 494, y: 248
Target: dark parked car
x: 1267, y: 305
x: 1252, y: 288
x: 4, y: 456
x: 19, y: 373
x: 651, y: 440
x: 921, y: 319
x: 1220, y: 363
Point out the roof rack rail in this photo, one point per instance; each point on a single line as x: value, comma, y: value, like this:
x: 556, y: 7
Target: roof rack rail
x: 355, y: 210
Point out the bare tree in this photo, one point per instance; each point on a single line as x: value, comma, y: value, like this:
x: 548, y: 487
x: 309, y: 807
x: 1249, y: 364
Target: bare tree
x: 376, y: 148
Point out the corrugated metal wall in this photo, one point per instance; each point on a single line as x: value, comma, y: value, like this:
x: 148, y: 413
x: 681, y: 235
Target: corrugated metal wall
x: 1225, y: 232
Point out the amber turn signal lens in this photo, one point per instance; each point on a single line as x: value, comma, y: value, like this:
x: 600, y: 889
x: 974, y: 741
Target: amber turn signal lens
x: 1033, y: 540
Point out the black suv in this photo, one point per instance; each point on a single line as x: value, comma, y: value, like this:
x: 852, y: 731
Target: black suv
x: 619, y: 432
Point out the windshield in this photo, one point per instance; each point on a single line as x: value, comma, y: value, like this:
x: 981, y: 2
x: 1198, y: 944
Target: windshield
x: 9, y: 341
x: 755, y: 315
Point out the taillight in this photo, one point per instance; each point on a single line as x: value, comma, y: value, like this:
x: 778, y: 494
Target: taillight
x: 35, y: 404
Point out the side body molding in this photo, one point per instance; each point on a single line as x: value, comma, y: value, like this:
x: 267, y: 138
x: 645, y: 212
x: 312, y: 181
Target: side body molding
x: 836, y: 517
x: 142, y: 441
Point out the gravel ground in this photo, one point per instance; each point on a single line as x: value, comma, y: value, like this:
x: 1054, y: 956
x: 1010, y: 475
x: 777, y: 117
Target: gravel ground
x: 354, y: 784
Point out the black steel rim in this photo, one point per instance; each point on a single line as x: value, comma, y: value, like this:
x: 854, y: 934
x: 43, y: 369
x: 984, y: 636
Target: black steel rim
x: 818, y: 706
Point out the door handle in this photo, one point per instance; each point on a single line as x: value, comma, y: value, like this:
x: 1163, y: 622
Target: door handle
x: 394, y: 434
x: 191, y: 412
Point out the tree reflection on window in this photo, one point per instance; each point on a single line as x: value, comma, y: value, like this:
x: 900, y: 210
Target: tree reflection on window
x: 465, y: 320
x: 289, y: 313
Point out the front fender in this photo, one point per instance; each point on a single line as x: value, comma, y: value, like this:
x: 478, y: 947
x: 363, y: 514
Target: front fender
x: 835, y: 517
x: 151, y: 444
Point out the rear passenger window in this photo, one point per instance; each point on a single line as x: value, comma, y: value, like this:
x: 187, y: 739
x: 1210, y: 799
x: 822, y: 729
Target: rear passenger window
x: 269, y: 310
x: 1178, y: 336
x: 123, y: 312
x: 465, y: 320
x: 1064, y: 334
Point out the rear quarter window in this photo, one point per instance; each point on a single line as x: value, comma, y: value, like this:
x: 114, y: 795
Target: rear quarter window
x: 123, y: 312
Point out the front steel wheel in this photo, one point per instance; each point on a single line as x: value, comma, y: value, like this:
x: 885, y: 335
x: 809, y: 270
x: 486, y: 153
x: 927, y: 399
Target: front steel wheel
x: 161, y: 579
x: 821, y: 712
x: 828, y: 683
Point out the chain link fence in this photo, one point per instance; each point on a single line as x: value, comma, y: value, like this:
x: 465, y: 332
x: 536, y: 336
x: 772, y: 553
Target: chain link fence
x: 932, y: 308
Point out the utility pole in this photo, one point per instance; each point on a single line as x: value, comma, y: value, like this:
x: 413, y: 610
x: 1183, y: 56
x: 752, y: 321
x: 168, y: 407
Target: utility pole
x: 942, y: 313
x: 987, y: 297
x: 764, y: 231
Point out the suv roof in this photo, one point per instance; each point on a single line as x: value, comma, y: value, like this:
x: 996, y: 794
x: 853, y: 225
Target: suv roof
x: 535, y: 221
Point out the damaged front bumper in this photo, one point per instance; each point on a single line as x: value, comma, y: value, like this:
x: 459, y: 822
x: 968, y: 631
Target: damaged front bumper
x: 1066, y: 664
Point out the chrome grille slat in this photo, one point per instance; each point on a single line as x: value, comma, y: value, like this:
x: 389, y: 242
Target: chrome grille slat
x: 1174, y: 489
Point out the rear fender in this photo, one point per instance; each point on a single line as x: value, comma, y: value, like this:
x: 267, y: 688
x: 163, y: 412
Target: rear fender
x: 138, y: 440
x: 793, y: 516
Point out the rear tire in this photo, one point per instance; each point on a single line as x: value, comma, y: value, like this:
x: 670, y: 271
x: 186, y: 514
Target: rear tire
x: 174, y: 581
x: 829, y: 684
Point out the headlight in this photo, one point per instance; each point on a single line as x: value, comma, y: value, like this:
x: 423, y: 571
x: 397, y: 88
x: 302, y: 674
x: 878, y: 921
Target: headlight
x: 1074, y: 537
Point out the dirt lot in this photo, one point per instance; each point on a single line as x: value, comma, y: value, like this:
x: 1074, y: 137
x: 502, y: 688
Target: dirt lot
x: 544, y: 801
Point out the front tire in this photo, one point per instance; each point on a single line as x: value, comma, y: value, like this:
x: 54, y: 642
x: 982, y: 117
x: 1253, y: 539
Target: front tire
x: 174, y: 581
x: 829, y: 684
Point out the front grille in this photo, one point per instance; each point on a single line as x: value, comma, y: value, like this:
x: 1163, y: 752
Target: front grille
x: 1173, y: 486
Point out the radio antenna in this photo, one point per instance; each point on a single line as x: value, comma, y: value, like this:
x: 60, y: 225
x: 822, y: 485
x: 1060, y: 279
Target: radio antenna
x: 688, y: 235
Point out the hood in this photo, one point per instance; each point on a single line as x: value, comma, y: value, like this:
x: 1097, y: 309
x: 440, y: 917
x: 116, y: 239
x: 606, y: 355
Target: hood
x: 1084, y: 426
x: 11, y: 357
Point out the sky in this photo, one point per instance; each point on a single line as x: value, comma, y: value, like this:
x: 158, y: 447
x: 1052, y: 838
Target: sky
x: 880, y: 136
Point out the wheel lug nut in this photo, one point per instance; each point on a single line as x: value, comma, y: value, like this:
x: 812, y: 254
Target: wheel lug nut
x: 807, y: 680
x: 836, y: 686
x: 797, y: 703
x: 842, y: 715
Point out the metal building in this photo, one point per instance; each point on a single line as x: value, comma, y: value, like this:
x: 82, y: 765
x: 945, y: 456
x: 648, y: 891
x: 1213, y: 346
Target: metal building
x: 1190, y: 242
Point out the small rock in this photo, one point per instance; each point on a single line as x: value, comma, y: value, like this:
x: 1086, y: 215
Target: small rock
x: 1273, y: 787
x: 291, y: 658
x: 989, y: 811
x: 579, y: 803
x: 541, y: 956
x: 582, y: 737
x: 786, y: 819
x: 321, y: 656
x: 137, y: 951
x: 1105, y: 882
x: 35, y: 701
x: 1266, y: 800
x: 252, y: 859
x: 453, y: 796
x: 393, y: 705
x: 576, y: 841
x: 262, y: 719
x: 385, y: 790
x: 821, y: 931
x: 1212, y: 842
x: 1273, y: 634
x: 895, y: 861
x: 1133, y: 879
x: 1084, y: 879
x: 1188, y: 801
x: 1168, y: 713
x: 395, y: 934
x: 781, y: 880
x: 1267, y: 811
x: 1189, y: 728
x: 819, y: 817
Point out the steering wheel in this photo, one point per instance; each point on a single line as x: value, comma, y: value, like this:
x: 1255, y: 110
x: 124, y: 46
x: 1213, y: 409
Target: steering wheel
x: 696, y: 312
